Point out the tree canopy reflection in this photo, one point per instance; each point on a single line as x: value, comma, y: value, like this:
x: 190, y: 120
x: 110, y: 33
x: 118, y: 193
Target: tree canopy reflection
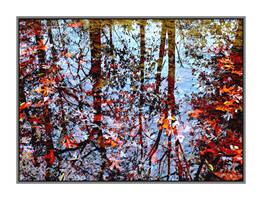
x: 130, y: 99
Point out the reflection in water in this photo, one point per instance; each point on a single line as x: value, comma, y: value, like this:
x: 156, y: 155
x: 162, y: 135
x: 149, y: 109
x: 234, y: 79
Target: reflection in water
x: 130, y: 100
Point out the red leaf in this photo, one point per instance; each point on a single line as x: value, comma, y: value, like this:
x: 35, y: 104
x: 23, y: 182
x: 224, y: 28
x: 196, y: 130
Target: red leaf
x: 89, y: 93
x: 35, y: 120
x: 98, y: 118
x: 48, y: 127
x: 114, y: 66
x: 21, y: 115
x: 50, y: 157
x: 25, y: 105
x: 207, y: 151
x: 59, y: 78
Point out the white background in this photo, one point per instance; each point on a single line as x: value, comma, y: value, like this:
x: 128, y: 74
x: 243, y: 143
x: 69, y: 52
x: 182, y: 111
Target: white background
x: 10, y: 9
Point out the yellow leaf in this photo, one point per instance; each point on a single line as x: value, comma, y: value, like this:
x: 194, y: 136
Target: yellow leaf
x: 209, y: 165
x: 173, y: 118
x: 229, y: 67
x: 61, y: 177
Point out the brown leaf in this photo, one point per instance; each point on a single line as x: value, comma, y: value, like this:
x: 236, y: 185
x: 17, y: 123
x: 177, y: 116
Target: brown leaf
x: 228, y: 176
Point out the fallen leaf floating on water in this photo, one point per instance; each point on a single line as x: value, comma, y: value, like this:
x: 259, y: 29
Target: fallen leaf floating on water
x: 228, y: 176
x: 45, y: 90
x: 225, y: 89
x: 25, y: 105
x: 196, y: 113
x: 50, y: 158
x: 68, y: 143
x: 41, y: 46
x: 75, y: 25
x: 47, y: 81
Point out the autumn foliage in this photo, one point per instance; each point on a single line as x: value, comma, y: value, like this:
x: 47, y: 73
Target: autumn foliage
x: 130, y: 100
x: 221, y: 118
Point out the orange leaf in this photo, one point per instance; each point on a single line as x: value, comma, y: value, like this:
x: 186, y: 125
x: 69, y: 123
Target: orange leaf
x: 75, y: 24
x: 237, y: 72
x: 47, y: 91
x: 225, y: 60
x: 238, y: 159
x: 27, y: 155
x: 196, y: 113
x: 38, y: 90
x: 166, y: 124
x: 69, y: 55
x: 228, y: 176
x: 114, y: 144
x: 68, y: 143
x: 225, y: 89
x: 41, y: 45
x: 224, y: 108
x: 47, y: 81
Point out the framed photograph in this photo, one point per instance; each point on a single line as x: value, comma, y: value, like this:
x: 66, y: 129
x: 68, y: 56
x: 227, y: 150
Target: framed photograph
x: 130, y: 99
